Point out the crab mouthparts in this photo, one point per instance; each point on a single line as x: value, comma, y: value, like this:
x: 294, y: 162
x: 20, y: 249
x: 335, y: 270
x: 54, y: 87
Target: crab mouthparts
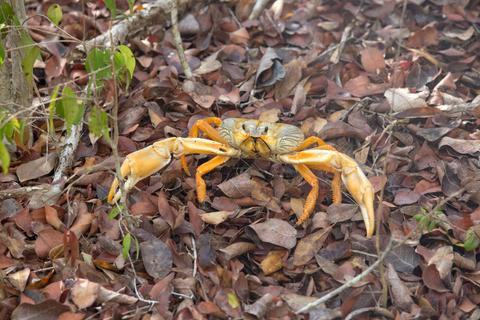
x: 255, y: 146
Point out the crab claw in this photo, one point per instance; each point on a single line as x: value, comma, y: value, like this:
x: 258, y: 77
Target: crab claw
x: 352, y: 176
x: 141, y: 164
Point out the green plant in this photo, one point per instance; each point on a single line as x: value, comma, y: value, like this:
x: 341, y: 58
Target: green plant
x: 428, y: 221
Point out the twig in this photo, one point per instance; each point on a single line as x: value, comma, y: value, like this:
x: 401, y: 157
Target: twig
x: 51, y: 195
x: 141, y: 19
x: 335, y: 57
x: 349, y: 283
x: 382, y: 311
x: 22, y: 191
x: 194, y: 248
x: 257, y: 9
x: 177, y: 37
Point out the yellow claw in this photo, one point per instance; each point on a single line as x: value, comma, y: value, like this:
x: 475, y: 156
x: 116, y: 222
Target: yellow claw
x: 143, y: 163
x: 352, y: 176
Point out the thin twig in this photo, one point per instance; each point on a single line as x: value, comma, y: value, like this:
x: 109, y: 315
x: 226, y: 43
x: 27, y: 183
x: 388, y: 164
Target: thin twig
x: 382, y: 311
x: 258, y: 9
x: 177, y: 37
x: 349, y: 283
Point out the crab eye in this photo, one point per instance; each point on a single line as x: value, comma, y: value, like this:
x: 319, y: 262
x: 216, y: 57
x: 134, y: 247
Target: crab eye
x: 265, y: 130
x: 244, y: 127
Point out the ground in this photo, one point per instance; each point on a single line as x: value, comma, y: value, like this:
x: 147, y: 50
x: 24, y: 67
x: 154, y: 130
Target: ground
x: 393, y: 84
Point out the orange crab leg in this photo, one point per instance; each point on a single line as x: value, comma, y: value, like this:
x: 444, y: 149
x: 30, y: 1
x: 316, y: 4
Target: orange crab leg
x: 312, y: 140
x: 352, y: 176
x: 336, y: 182
x: 205, y: 125
x: 204, y: 169
x: 311, y: 200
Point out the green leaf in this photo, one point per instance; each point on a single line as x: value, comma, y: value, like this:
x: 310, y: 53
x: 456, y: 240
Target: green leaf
x: 96, y: 63
x: 72, y: 109
x: 112, y: 7
x: 51, y: 107
x: 55, y: 14
x: 31, y: 54
x: 11, y: 127
x: 471, y: 241
x: 126, y: 244
x: 4, y: 157
x: 233, y: 300
x: 2, y: 54
x: 127, y: 59
x: 137, y: 248
x: 115, y: 212
x: 6, y: 13
x: 98, y: 123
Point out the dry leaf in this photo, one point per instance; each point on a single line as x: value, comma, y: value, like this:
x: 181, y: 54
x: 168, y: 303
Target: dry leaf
x: 36, y: 168
x: 277, y: 232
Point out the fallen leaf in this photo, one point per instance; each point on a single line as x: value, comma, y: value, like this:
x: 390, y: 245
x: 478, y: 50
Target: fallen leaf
x: 443, y: 261
x: 36, y: 168
x: 340, y: 212
x: 399, y: 291
x: 270, y: 69
x: 84, y: 293
x: 293, y: 74
x: 216, y: 217
x: 19, y: 279
x: 273, y: 261
x: 277, y: 232
x: 372, y: 60
x: 308, y: 246
x: 46, y: 241
x: 403, y: 258
x: 157, y: 258
x: 46, y: 310
x: 238, y: 187
x: 237, y: 248
x: 404, y: 197
x: 401, y: 99
x: 260, y: 307
x: 425, y: 37
x: 361, y: 86
x: 460, y: 145
x: 432, y: 280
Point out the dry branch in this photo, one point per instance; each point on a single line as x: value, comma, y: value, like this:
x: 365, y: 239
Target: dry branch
x: 154, y: 13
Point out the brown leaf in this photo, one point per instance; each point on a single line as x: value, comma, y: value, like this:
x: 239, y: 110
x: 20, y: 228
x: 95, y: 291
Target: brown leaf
x: 404, y: 197
x: 46, y: 241
x: 161, y: 292
x: 157, y: 258
x: 270, y: 69
x: 403, y: 258
x: 19, y: 279
x: 308, y: 246
x: 238, y: 187
x: 293, y: 74
x: 9, y: 208
x: 372, y: 60
x: 401, y: 99
x: 84, y: 293
x: 260, y: 307
x: 36, y: 168
x: 277, y: 232
x: 399, y: 291
x: 443, y: 261
x: 216, y: 217
x: 423, y: 38
x: 206, y: 253
x: 460, y: 145
x: 339, y: 212
x: 273, y: 261
x: 431, y: 278
x: 361, y: 86
x: 237, y: 248
x: 46, y: 310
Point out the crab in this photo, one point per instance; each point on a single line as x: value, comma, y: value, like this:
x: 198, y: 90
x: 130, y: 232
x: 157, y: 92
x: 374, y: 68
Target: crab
x: 249, y: 138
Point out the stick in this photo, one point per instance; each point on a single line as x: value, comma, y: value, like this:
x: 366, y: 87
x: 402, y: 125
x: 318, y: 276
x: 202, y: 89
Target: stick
x: 348, y: 284
x: 178, y: 40
x: 150, y: 15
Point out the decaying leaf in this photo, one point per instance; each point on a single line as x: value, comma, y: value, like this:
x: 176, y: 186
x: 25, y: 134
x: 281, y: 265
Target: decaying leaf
x: 156, y: 257
x: 277, y: 232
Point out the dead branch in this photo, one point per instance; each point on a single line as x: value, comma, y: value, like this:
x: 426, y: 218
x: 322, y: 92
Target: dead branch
x: 257, y: 9
x: 349, y: 283
x: 154, y: 13
x: 178, y: 40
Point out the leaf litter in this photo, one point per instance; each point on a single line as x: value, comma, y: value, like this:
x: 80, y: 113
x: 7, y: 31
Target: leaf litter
x: 402, y: 98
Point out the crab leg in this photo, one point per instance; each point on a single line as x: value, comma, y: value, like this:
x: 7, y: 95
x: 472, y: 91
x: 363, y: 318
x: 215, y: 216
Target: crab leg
x: 145, y: 162
x: 204, y: 169
x: 352, y: 176
x: 336, y: 182
x: 205, y: 125
x: 311, y: 200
